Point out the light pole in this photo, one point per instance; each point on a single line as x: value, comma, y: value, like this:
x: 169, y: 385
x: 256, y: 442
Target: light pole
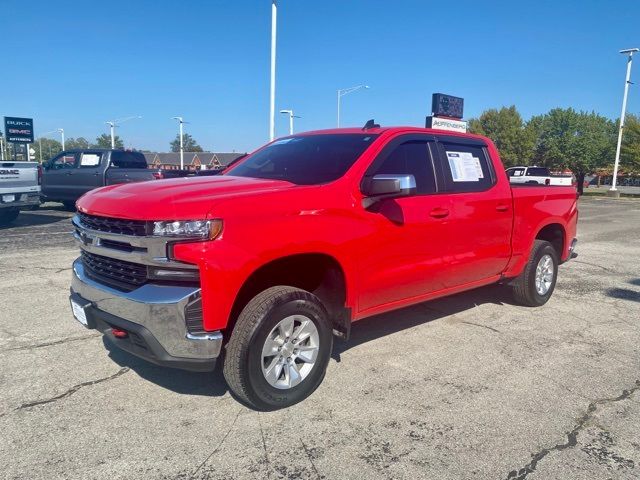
x: 291, y: 117
x: 629, y: 52
x: 114, y: 123
x: 345, y: 91
x: 181, y: 122
x: 272, y: 95
x: 61, y: 130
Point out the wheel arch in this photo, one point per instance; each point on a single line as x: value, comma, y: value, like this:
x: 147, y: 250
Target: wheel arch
x: 319, y: 273
x: 555, y: 234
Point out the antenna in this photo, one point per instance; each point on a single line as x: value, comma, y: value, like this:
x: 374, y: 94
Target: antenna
x: 370, y: 124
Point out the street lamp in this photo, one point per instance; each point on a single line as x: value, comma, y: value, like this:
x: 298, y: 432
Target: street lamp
x: 115, y: 123
x: 61, y: 130
x: 291, y: 117
x: 629, y: 52
x: 272, y: 95
x: 345, y: 91
x: 181, y: 122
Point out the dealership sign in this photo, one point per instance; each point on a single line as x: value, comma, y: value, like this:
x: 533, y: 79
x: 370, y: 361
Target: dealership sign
x: 18, y: 130
x: 447, y: 124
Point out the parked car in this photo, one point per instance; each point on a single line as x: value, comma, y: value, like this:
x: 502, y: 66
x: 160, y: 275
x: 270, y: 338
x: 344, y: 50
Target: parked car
x: 73, y: 173
x: 537, y: 176
x: 298, y: 240
x: 19, y: 189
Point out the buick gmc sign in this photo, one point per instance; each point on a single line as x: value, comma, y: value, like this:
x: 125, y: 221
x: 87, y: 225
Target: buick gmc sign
x: 18, y: 130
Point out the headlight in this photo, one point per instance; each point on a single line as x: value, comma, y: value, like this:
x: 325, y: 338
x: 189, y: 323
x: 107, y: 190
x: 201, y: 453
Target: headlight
x: 188, y: 228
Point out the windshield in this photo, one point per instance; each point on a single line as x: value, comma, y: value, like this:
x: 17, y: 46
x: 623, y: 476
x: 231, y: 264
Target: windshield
x: 307, y: 159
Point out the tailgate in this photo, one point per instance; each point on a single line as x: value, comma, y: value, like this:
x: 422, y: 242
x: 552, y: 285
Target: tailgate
x: 18, y: 177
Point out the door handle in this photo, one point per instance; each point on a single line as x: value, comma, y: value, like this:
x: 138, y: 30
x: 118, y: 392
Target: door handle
x: 502, y: 207
x: 439, y: 212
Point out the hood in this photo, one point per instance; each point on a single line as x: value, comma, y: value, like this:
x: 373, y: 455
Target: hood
x: 189, y: 198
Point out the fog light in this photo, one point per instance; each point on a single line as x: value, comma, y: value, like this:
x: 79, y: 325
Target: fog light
x: 173, y: 274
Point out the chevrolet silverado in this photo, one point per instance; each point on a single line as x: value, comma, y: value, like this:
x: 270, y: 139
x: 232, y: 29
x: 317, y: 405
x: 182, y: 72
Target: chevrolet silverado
x: 262, y: 266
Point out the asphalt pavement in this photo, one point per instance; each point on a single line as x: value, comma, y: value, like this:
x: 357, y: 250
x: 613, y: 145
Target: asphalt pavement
x: 467, y: 387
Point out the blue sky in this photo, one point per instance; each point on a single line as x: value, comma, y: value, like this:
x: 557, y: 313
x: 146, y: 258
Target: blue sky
x: 77, y: 64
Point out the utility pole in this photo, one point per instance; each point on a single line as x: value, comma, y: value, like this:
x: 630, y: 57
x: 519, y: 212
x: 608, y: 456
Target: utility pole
x: 181, y: 122
x: 114, y: 123
x: 629, y: 51
x: 61, y: 130
x: 272, y: 96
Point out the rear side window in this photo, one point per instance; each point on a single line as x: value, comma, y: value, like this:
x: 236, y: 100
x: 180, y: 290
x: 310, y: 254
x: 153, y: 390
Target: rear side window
x: 122, y: 159
x: 465, y: 167
x: 537, y: 172
x: 409, y: 158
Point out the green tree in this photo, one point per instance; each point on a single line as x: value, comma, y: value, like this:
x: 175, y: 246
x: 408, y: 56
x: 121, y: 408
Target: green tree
x: 580, y: 141
x: 104, y: 141
x: 188, y: 144
x: 46, y: 148
x: 630, y: 152
x: 80, y: 143
x: 507, y: 130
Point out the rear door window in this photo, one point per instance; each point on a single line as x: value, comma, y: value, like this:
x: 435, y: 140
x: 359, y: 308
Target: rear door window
x: 537, y: 172
x: 124, y: 159
x: 465, y: 165
x: 90, y: 159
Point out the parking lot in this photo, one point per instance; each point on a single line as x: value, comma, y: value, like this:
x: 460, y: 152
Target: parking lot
x: 470, y: 386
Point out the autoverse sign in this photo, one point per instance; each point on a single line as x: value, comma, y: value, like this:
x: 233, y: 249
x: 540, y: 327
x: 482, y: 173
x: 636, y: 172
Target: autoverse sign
x: 18, y: 130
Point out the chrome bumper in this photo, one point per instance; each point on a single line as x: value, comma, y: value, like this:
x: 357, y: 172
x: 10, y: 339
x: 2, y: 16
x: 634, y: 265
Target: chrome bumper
x: 158, y: 308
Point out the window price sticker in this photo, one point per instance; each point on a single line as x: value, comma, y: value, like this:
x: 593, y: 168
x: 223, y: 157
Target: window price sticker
x: 464, y: 167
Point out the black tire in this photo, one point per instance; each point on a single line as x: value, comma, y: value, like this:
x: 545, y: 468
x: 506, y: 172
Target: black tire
x: 7, y: 217
x: 242, y: 363
x: 524, y: 287
x: 71, y: 206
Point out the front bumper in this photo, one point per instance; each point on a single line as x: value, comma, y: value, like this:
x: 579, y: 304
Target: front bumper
x: 153, y: 317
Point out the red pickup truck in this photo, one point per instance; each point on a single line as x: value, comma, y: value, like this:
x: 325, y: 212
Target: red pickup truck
x: 264, y: 264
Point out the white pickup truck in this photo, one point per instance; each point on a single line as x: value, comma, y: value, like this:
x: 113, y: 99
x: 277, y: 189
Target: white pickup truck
x: 19, y: 189
x: 537, y: 176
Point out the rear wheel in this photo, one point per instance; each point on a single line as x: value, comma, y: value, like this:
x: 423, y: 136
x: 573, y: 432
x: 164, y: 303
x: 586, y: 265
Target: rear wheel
x: 536, y: 283
x: 6, y: 217
x: 69, y: 205
x: 279, y: 349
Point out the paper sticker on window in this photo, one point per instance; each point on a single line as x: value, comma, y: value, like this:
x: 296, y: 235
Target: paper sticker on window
x: 89, y: 160
x: 464, y: 167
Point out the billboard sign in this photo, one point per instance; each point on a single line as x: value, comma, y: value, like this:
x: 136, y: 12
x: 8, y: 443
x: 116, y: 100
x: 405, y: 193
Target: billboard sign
x: 447, y: 106
x: 18, y: 130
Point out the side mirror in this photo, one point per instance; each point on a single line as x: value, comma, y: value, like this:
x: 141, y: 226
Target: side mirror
x: 388, y: 186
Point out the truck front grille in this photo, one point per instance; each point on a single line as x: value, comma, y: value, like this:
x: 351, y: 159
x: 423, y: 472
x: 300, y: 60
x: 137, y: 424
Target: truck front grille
x: 116, y: 273
x: 119, y: 226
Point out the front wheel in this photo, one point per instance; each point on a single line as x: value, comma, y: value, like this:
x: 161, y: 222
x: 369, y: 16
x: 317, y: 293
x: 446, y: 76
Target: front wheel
x: 279, y: 349
x: 536, y: 283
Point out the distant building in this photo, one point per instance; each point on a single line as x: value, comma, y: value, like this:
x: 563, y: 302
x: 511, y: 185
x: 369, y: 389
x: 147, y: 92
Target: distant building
x: 192, y: 160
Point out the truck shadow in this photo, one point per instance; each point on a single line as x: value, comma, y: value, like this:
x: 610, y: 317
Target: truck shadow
x: 212, y: 384
x: 379, y: 326
x: 206, y: 384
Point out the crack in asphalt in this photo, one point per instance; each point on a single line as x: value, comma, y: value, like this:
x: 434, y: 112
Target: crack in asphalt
x: 482, y: 326
x: 264, y: 446
x: 49, y: 344
x: 71, y: 391
x: 218, y: 446
x: 313, y: 465
x: 572, y: 436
